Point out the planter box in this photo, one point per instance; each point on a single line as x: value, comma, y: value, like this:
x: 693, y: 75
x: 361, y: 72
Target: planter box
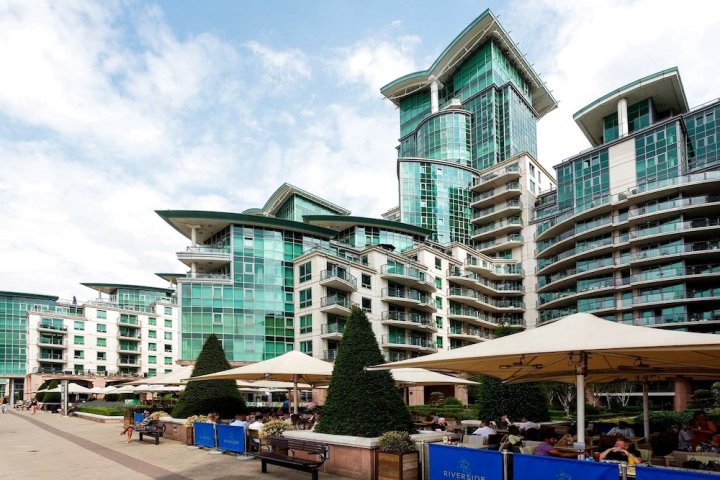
x: 397, y: 466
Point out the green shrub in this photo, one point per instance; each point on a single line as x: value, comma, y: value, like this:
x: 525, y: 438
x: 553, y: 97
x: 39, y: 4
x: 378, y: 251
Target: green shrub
x: 275, y: 428
x: 702, y: 398
x: 52, y: 397
x: 361, y: 402
x: 663, y: 420
x: 437, y: 398
x: 453, y: 402
x: 107, y: 411
x: 459, y: 413
x: 203, y: 397
x: 396, y: 442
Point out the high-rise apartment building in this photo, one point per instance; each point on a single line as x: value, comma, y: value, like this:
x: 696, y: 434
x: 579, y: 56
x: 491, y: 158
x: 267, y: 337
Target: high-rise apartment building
x: 632, y: 233
x: 133, y: 331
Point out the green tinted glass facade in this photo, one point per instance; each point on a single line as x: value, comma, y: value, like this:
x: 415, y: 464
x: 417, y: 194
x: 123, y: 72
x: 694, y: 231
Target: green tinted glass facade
x: 296, y: 207
x: 445, y: 137
x: 362, y: 236
x: 13, y: 329
x: 253, y: 313
x: 703, y: 138
x: 436, y: 197
x: 657, y: 155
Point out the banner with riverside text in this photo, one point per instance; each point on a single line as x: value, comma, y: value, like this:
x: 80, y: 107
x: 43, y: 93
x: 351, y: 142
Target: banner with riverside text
x: 459, y: 463
x: 539, y: 467
x: 231, y: 439
x: 204, y: 434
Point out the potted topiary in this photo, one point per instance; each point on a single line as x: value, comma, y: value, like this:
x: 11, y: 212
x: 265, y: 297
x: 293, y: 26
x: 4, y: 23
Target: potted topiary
x: 397, y: 457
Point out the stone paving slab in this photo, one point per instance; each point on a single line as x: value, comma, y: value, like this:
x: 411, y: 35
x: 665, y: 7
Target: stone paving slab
x: 47, y: 446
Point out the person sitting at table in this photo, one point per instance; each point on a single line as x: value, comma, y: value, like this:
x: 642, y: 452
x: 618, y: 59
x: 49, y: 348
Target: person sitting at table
x: 258, y: 423
x: 512, y: 440
x: 622, y: 429
x: 547, y: 447
x: 621, y: 452
x: 524, y: 425
x: 440, y: 425
x: 485, y: 430
x: 240, y: 421
x: 569, y: 438
x: 703, y: 429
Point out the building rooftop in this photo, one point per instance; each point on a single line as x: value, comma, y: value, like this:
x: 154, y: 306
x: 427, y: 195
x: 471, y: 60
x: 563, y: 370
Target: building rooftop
x: 112, y: 288
x: 37, y: 296
x: 483, y: 28
x: 664, y: 87
x: 287, y: 191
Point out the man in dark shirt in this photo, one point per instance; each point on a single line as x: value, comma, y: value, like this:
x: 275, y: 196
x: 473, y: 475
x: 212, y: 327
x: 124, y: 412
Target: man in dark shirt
x: 621, y: 452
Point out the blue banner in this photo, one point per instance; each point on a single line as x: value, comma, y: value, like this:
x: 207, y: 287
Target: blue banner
x: 661, y: 473
x: 138, y: 417
x: 204, y: 434
x: 231, y: 439
x: 460, y: 463
x: 541, y: 467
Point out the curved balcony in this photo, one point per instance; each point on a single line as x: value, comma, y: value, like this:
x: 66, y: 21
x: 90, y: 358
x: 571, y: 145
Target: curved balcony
x: 572, y: 275
x: 129, y: 362
x: 490, y: 247
x: 492, y: 213
x: 475, y: 281
x: 408, y: 276
x: 697, y: 224
x: 206, y: 258
x: 129, y: 349
x: 577, y: 233
x: 408, y: 298
x: 50, y: 328
x: 656, y: 211
x: 338, y: 279
x: 470, y: 334
x: 133, y: 336
x: 52, y: 358
x: 570, y: 296
x: 496, y: 229
x: 499, y: 177
x: 499, y: 194
x: 697, y: 250
x: 408, y: 320
x: 484, y: 302
x: 330, y: 355
x: 332, y: 331
x: 562, y: 260
x: 128, y: 321
x: 336, y: 305
x: 199, y: 277
x: 409, y: 343
x: 491, y: 269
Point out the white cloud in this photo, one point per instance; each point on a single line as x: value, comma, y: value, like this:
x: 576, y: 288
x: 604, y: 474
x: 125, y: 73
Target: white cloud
x: 585, y: 49
x: 282, y: 67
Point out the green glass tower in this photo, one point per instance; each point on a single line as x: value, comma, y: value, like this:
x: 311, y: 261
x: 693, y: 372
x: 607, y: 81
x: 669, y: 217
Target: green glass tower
x: 474, y: 108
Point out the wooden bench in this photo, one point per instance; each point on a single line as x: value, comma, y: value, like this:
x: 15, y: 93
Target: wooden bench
x: 283, y: 454
x: 153, y: 429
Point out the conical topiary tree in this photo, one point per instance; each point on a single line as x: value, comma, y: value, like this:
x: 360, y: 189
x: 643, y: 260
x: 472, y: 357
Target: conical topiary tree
x: 203, y: 397
x: 52, y: 397
x: 362, y: 403
x: 40, y: 397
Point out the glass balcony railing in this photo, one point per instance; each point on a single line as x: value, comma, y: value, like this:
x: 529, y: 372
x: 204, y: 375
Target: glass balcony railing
x: 339, y: 300
x: 406, y: 271
x: 209, y: 249
x: 496, y: 268
x: 407, y: 294
x: 408, y: 341
x: 209, y: 276
x: 512, y: 186
x: 508, y: 222
x: 331, y: 328
x: 52, y: 341
x: 330, y: 354
x: 51, y: 326
x: 415, y: 318
x: 339, y: 274
x: 507, y: 286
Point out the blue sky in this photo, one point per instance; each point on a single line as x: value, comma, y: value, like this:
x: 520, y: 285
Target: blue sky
x: 111, y: 110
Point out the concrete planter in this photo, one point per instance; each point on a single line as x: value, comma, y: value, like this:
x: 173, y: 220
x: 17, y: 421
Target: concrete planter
x: 397, y: 466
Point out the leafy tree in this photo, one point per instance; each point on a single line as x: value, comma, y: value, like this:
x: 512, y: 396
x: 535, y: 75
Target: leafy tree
x: 514, y: 400
x: 52, y: 397
x: 40, y: 397
x: 702, y: 398
x: 203, y: 397
x: 360, y: 402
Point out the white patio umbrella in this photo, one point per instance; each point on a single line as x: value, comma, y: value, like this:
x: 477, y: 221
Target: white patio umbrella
x: 422, y: 376
x: 583, y: 347
x: 109, y: 389
x: 72, y: 388
x: 96, y: 390
x: 293, y: 366
x: 177, y: 377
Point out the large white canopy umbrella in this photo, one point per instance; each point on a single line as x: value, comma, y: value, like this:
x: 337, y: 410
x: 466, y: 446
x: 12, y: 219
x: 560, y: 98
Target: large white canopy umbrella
x: 421, y: 376
x: 292, y: 366
x: 72, y: 388
x: 96, y: 390
x: 583, y: 347
x: 109, y: 389
x: 176, y: 377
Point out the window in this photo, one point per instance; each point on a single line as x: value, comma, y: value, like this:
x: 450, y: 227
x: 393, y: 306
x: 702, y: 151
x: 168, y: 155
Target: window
x: 152, y: 321
x: 152, y: 347
x: 100, y: 369
x: 101, y: 328
x: 305, y: 271
x: 306, y: 324
x: 168, y: 322
x: 152, y: 372
x: 102, y: 342
x: 79, y: 325
x: 168, y: 370
x: 305, y: 298
x: 152, y: 358
x: 102, y: 355
x: 438, y: 263
x: 438, y: 282
x: 438, y: 302
x: 366, y: 304
x: 101, y: 314
x: 439, y: 342
x: 168, y: 335
x: 78, y: 368
x: 365, y: 281
x: 532, y: 170
x: 78, y: 354
x: 168, y: 348
x: 152, y: 333
x: 306, y: 347
x: 532, y: 186
x: 438, y: 322
x: 168, y: 310
x: 168, y: 360
x: 217, y: 292
x: 217, y: 319
x: 79, y: 340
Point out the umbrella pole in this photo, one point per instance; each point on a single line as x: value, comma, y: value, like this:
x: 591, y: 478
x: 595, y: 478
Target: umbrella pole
x: 295, y: 394
x: 581, y: 368
x: 646, y: 409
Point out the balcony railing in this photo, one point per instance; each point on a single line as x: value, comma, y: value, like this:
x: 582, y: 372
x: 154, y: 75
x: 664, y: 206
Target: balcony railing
x: 407, y: 294
x: 416, y: 318
x: 209, y: 276
x: 411, y: 341
x: 50, y: 326
x: 330, y: 354
x: 406, y: 271
x: 52, y: 341
x: 210, y: 249
x: 339, y: 274
x: 339, y: 300
x: 329, y: 328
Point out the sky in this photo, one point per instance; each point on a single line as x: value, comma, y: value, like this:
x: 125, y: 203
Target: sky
x: 112, y: 110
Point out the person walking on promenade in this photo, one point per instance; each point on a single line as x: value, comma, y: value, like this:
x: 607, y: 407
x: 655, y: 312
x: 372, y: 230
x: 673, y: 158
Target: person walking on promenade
x: 33, y: 406
x: 3, y: 404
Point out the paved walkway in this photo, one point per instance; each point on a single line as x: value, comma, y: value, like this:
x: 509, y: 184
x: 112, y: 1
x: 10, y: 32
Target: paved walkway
x: 47, y: 446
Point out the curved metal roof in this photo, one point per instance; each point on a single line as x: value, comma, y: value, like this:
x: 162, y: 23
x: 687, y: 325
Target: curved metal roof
x: 286, y: 190
x: 111, y: 288
x: 482, y: 29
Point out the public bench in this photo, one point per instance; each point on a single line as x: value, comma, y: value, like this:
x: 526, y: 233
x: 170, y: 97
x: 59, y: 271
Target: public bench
x: 283, y: 454
x: 153, y: 429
